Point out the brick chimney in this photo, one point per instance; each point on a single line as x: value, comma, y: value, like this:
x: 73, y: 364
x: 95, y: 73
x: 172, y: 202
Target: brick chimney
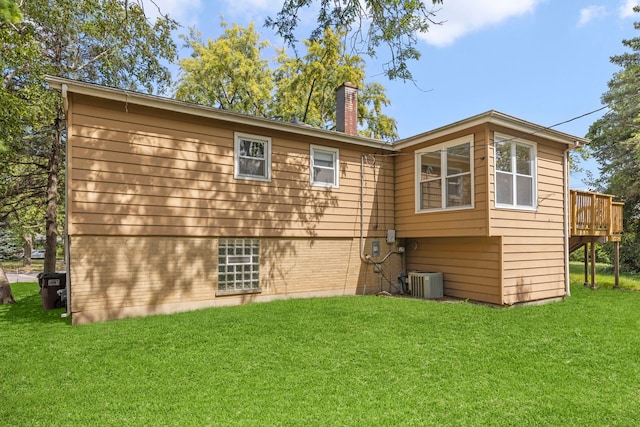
x: 347, y: 108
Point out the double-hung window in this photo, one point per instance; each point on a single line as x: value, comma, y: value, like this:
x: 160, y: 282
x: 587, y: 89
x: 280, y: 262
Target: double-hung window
x: 515, y: 165
x: 444, y: 178
x: 324, y: 166
x: 238, y: 266
x: 252, y: 156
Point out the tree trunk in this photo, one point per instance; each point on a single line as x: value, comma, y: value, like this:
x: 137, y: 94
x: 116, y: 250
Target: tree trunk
x: 51, y: 216
x: 27, y: 247
x: 6, y: 297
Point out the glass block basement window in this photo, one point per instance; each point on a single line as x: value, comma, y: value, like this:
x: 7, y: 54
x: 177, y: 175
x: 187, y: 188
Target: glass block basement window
x: 238, y: 264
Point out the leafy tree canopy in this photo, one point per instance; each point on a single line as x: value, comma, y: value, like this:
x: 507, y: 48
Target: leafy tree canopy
x: 615, y: 143
x: 9, y: 12
x: 615, y: 138
x: 394, y: 24
x: 109, y: 42
x: 9, y: 245
x: 230, y: 73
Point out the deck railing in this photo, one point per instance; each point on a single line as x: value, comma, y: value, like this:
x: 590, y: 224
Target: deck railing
x: 595, y: 214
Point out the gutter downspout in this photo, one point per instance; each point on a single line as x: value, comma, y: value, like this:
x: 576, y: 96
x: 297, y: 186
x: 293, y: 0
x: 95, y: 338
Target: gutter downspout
x: 567, y: 207
x: 67, y: 258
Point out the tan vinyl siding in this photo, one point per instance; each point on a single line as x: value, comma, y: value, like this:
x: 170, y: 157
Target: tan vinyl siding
x: 534, y: 240
x: 151, y: 191
x: 471, y: 267
x: 463, y: 222
x: 525, y: 259
x: 119, y: 276
x: 533, y: 271
x: 140, y: 171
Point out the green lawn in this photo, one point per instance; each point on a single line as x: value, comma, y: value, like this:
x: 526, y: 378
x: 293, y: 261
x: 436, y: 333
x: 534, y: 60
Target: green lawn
x: 355, y: 361
x: 604, y: 276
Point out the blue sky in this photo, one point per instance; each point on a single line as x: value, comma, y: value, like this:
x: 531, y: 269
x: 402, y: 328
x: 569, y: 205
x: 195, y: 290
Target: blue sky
x: 545, y: 61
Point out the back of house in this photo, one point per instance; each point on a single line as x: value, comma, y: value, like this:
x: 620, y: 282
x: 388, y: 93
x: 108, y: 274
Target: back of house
x: 173, y: 206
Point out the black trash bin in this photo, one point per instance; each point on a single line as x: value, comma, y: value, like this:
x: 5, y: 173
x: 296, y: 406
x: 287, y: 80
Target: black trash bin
x: 50, y: 284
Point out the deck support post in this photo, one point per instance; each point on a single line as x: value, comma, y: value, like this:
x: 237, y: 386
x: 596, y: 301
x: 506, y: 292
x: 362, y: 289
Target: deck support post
x: 586, y: 264
x: 593, y: 265
x: 616, y: 263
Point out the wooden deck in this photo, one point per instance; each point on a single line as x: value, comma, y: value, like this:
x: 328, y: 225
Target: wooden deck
x: 595, y: 218
x: 595, y: 215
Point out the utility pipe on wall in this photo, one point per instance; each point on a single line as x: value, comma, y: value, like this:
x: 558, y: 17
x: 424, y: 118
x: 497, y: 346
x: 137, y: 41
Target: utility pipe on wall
x: 365, y: 258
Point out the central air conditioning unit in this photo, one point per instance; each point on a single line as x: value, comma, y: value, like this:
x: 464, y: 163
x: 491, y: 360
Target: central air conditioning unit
x: 425, y: 285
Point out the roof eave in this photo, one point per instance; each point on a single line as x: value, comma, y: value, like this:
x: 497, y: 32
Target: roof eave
x: 523, y: 127
x: 176, y: 106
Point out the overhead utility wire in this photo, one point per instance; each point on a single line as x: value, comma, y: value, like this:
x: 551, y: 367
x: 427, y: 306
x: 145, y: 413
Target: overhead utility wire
x: 555, y: 125
x: 578, y: 117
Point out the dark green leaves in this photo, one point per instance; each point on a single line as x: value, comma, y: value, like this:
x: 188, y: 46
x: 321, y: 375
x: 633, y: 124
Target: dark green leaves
x: 615, y: 143
x: 230, y: 73
x: 394, y: 24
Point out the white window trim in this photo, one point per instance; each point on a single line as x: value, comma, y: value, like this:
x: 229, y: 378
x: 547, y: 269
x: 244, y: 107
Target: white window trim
x: 236, y: 156
x: 336, y: 166
x: 443, y: 146
x: 500, y: 137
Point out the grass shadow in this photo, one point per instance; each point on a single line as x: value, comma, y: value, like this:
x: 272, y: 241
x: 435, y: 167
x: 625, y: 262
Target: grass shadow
x: 28, y: 308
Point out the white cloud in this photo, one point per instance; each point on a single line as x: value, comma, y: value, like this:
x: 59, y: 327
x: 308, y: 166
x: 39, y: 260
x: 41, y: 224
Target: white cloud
x: 626, y: 9
x: 590, y: 13
x: 465, y: 16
